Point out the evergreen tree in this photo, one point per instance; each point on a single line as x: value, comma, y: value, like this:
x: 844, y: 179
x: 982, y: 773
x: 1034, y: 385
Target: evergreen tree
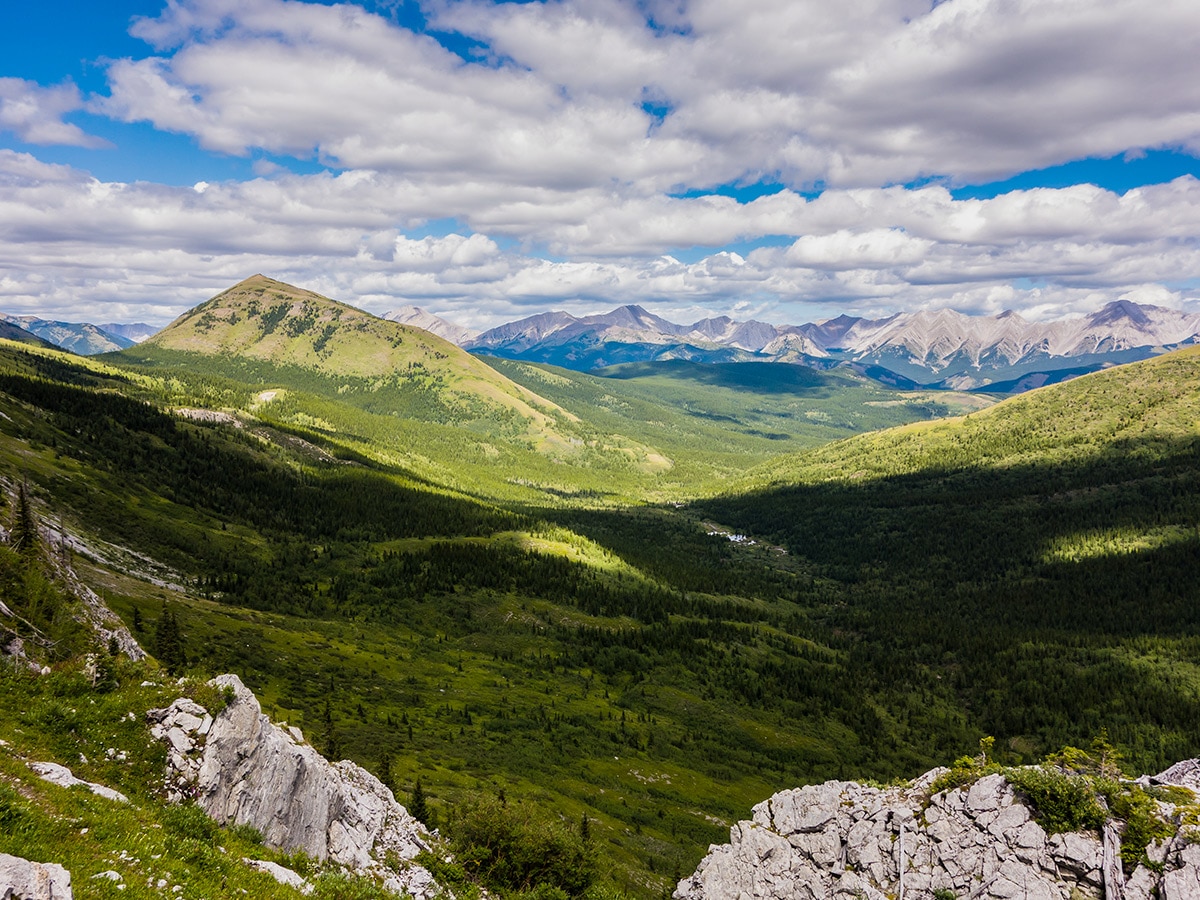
x: 333, y: 744
x: 418, y: 808
x: 385, y: 770
x: 168, y: 642
x: 24, y: 534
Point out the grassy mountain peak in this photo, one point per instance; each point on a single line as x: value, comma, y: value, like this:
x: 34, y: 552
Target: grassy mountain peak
x: 270, y: 321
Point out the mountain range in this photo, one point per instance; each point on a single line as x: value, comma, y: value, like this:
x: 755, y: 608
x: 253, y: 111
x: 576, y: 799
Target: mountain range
x: 419, y: 318
x: 82, y: 338
x: 933, y: 349
x: 938, y: 349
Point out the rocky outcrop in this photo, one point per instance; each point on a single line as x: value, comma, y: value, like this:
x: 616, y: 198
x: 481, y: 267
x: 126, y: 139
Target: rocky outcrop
x: 21, y: 879
x: 843, y: 839
x: 64, y: 777
x: 244, y: 770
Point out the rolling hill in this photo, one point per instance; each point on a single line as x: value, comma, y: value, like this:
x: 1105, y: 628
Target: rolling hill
x: 401, y: 395
x: 266, y: 320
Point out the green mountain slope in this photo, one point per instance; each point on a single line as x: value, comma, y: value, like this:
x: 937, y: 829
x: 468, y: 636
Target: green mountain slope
x: 1037, y: 559
x: 511, y: 431
x: 711, y: 421
x: 1025, y: 571
x: 263, y: 320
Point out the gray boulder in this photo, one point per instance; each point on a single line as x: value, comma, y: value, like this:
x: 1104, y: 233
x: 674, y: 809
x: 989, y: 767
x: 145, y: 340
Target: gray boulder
x: 64, y: 777
x: 21, y: 879
x: 846, y: 840
x: 244, y: 770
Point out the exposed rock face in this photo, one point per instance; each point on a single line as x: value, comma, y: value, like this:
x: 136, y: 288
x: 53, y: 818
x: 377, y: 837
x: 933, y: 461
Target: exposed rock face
x: 843, y: 839
x: 21, y: 879
x: 244, y: 770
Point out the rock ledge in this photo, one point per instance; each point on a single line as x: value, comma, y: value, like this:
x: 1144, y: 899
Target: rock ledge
x: 842, y: 839
x: 244, y: 770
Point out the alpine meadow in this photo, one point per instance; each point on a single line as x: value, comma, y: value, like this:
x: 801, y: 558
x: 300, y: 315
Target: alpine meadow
x: 640, y: 599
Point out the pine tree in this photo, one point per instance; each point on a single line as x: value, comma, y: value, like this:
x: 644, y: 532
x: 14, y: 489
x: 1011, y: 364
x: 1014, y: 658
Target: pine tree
x: 385, y: 770
x: 24, y: 534
x: 333, y: 744
x: 418, y: 808
x: 168, y: 642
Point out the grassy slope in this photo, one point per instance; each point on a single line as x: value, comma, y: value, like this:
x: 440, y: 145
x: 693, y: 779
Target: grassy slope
x: 706, y: 423
x: 1154, y: 400
x: 494, y: 657
x: 266, y: 320
x: 509, y: 430
x: 1037, y: 556
x: 61, y: 718
x: 769, y: 669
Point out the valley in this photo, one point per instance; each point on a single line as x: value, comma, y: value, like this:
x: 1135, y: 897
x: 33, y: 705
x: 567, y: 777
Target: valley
x: 515, y: 580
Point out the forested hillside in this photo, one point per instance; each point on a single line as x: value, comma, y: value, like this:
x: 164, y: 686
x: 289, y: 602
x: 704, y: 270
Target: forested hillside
x: 570, y: 636
x: 1038, y: 557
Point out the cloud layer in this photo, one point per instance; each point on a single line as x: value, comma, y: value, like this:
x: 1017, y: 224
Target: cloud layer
x: 583, y: 148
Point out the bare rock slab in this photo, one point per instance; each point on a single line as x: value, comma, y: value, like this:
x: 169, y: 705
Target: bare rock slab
x: 21, y: 879
x: 244, y: 770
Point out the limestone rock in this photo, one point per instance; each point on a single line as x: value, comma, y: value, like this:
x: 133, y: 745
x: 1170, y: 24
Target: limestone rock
x: 244, y: 770
x: 62, y: 776
x: 281, y: 874
x: 21, y: 879
x: 1182, y: 774
x: 845, y: 840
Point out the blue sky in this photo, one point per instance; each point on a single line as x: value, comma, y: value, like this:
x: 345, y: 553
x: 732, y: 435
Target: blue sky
x: 778, y: 159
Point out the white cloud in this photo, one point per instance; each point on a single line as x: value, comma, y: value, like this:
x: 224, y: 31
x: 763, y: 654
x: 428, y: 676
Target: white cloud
x: 542, y: 148
x: 35, y: 113
x: 68, y: 242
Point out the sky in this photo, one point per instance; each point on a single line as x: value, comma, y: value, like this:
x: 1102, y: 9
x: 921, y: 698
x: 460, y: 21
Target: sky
x: 785, y: 160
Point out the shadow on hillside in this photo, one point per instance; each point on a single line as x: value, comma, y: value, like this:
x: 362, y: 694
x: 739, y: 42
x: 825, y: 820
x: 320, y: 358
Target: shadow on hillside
x: 755, y: 377
x: 1105, y: 545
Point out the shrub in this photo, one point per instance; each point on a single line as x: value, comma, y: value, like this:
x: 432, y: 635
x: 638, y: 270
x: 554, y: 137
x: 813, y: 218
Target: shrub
x: 189, y: 821
x: 509, y: 849
x: 1142, y: 822
x: 1062, y: 802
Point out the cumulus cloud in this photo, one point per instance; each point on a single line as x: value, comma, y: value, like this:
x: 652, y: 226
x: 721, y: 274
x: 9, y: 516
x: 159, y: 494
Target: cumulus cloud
x: 35, y: 113
x: 69, y: 242
x: 579, y: 153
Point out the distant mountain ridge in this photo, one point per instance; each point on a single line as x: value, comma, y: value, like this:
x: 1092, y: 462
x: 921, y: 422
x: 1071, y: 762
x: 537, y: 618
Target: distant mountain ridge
x: 419, y: 318
x: 10, y: 331
x: 136, y: 332
x: 940, y: 348
x: 78, y: 337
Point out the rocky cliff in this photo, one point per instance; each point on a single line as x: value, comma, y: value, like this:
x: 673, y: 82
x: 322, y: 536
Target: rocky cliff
x: 980, y: 840
x: 244, y: 770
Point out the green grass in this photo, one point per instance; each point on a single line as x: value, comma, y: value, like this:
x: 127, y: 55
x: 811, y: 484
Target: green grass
x: 548, y: 632
x: 102, y: 737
